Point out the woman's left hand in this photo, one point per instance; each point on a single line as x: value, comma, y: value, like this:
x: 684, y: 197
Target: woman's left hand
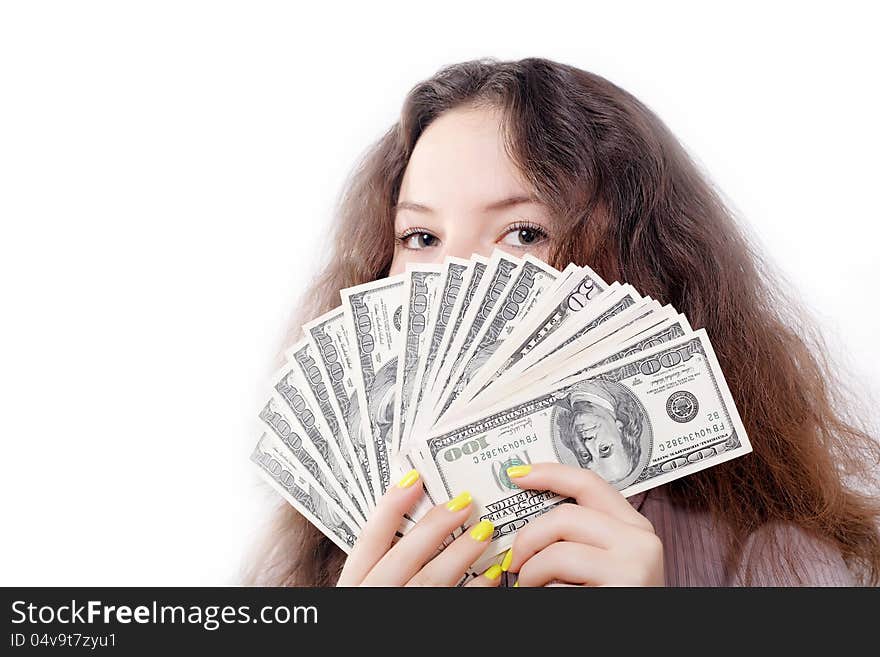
x: 600, y: 541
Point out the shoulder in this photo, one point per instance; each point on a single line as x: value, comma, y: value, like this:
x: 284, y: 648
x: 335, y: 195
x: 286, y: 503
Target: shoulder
x: 777, y: 554
x: 783, y: 554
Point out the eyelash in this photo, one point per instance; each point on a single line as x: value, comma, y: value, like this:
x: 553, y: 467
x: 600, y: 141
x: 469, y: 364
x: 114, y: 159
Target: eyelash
x: 514, y: 227
x: 409, y: 232
x: 527, y: 225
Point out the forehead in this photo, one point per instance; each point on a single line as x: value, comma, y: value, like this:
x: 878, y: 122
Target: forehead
x: 586, y: 411
x: 459, y: 162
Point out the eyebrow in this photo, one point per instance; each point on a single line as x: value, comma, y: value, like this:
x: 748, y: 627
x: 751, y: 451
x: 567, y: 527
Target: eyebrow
x: 497, y: 205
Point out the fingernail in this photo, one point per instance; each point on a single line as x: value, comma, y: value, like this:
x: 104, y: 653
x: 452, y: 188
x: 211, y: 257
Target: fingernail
x: 459, y: 502
x: 482, y: 530
x: 515, y: 471
x: 505, y: 563
x: 493, y: 572
x: 409, y: 479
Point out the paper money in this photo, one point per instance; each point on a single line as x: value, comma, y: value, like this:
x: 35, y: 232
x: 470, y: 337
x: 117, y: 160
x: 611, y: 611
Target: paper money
x: 532, y: 279
x: 460, y: 311
x: 424, y: 413
x: 373, y: 316
x: 500, y: 272
x: 639, y: 422
x: 463, y: 369
x: 314, y: 375
x: 631, y: 340
x: 332, y: 345
x: 556, y: 312
x: 609, y: 305
x: 283, y: 475
x: 615, y: 301
x: 616, y: 319
x: 451, y: 285
x: 303, y: 453
x: 304, y: 408
x: 609, y: 337
x: 419, y: 293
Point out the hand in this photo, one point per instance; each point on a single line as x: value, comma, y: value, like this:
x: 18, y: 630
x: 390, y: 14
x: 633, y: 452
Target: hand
x: 413, y: 560
x: 600, y: 541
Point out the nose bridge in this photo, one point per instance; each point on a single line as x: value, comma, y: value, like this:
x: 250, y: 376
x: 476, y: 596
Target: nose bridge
x: 464, y: 238
x: 589, y: 445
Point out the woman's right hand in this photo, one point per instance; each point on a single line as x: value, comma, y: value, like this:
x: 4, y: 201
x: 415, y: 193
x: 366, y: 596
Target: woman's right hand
x: 413, y: 560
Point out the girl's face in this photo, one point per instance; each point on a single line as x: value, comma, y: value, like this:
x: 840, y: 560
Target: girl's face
x: 462, y: 195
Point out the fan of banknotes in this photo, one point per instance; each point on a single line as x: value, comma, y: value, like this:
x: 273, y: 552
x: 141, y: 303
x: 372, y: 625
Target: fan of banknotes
x: 464, y: 369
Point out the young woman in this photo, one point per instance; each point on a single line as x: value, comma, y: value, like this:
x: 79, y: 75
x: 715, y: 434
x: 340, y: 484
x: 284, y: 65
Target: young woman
x: 538, y: 157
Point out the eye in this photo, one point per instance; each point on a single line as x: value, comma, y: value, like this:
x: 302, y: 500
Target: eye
x: 524, y: 235
x: 417, y: 239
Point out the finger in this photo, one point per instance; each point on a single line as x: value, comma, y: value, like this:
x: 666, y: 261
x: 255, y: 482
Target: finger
x: 489, y: 579
x: 572, y: 563
x: 377, y: 535
x: 585, y: 486
x: 448, y: 567
x: 570, y: 522
x: 422, y: 542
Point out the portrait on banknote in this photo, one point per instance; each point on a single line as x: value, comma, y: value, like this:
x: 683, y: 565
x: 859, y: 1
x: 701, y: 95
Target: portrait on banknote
x: 601, y: 426
x: 381, y: 404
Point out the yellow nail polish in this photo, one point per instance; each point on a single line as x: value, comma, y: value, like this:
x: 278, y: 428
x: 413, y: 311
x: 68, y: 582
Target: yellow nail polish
x: 482, y: 530
x: 515, y: 471
x: 517, y: 584
x: 505, y: 563
x: 493, y: 572
x: 409, y: 479
x: 459, y: 502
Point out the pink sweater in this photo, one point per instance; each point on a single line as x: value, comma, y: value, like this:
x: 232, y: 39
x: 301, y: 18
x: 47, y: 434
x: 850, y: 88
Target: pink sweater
x: 694, y: 551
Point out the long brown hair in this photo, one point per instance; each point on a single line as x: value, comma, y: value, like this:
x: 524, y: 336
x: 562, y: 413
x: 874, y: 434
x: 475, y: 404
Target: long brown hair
x: 629, y: 202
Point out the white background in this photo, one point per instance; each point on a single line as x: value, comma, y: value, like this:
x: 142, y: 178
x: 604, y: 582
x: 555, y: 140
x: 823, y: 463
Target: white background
x: 167, y: 170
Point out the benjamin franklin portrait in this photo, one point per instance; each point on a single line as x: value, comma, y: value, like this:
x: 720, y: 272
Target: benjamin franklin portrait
x: 601, y: 426
x: 382, y: 400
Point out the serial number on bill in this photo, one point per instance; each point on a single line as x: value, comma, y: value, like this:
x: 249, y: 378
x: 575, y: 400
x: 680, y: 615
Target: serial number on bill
x: 717, y: 427
x: 63, y: 640
x: 492, y: 453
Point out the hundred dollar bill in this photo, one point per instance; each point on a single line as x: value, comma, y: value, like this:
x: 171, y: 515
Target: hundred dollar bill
x: 471, y: 284
x: 638, y: 422
x: 607, y: 328
x: 373, y: 315
x: 304, y: 454
x: 530, y: 282
x: 302, y: 405
x: 450, y: 286
x: 608, y: 305
x: 302, y: 353
x: 419, y: 294
x: 459, y: 312
x: 661, y: 333
x: 613, y: 334
x: 332, y: 345
x: 629, y: 340
x: 555, y: 311
x: 281, y: 473
x: 500, y: 272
